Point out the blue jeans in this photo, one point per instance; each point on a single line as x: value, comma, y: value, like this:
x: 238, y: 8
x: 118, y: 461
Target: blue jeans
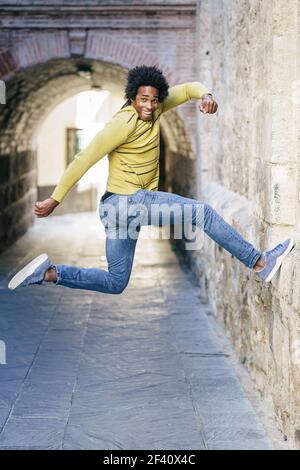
x: 124, y: 214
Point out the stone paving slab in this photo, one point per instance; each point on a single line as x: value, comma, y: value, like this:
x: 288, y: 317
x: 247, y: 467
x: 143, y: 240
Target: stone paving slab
x: 139, y: 370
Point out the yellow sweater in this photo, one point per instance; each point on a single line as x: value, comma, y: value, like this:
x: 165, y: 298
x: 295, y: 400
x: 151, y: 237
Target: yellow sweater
x: 132, y: 146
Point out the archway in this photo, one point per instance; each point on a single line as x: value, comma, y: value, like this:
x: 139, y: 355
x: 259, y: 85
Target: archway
x: 40, y: 74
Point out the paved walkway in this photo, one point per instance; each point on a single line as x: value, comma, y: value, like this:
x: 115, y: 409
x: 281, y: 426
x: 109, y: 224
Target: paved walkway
x: 139, y: 370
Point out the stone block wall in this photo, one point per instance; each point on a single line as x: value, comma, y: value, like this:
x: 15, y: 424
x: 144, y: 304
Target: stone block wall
x: 248, y: 163
x: 17, y: 195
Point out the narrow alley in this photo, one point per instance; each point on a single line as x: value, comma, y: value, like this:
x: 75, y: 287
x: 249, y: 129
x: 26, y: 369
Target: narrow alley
x: 197, y: 352
x: 139, y: 370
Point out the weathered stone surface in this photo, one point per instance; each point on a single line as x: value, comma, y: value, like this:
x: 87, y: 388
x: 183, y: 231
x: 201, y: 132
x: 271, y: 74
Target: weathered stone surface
x: 249, y: 158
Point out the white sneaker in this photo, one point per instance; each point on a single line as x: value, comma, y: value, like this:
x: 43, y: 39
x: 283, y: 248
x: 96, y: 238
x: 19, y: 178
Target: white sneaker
x: 32, y: 273
x: 274, y: 259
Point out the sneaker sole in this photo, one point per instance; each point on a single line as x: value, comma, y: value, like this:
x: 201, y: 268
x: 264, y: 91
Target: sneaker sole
x: 279, y: 260
x: 27, y: 271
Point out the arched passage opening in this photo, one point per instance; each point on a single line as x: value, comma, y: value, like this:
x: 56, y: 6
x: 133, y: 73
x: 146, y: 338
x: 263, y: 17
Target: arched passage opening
x: 32, y: 93
x: 67, y: 130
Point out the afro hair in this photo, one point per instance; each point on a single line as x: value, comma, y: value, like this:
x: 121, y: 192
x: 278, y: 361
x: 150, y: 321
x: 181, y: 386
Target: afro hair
x: 146, y: 76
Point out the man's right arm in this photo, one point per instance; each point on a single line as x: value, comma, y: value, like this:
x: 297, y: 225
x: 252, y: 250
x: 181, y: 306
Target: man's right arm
x: 112, y: 136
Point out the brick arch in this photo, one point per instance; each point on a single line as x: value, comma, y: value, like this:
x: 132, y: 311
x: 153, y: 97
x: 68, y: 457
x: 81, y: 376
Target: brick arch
x: 103, y: 47
x: 37, y: 49
x: 35, y: 91
x: 43, y: 47
x: 40, y: 73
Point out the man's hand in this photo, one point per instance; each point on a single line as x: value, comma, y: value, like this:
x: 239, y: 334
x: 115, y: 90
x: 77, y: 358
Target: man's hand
x: 44, y: 208
x: 208, y: 105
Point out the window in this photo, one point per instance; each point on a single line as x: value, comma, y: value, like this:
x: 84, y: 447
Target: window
x: 74, y: 143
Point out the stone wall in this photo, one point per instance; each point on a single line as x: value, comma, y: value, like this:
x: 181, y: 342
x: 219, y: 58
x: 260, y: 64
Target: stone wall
x: 248, y: 162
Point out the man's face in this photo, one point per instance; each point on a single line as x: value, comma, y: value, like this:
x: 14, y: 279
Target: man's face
x: 146, y: 102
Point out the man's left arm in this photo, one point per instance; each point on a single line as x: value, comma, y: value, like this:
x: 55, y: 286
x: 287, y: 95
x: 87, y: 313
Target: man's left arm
x: 180, y: 94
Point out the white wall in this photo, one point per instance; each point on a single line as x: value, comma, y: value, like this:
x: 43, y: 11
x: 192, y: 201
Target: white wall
x: 78, y: 111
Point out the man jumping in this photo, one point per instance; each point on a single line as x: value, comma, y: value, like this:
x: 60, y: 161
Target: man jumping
x: 131, y: 140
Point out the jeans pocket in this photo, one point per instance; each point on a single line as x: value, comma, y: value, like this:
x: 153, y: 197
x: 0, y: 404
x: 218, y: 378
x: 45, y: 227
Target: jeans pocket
x: 108, y: 211
x: 108, y: 198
